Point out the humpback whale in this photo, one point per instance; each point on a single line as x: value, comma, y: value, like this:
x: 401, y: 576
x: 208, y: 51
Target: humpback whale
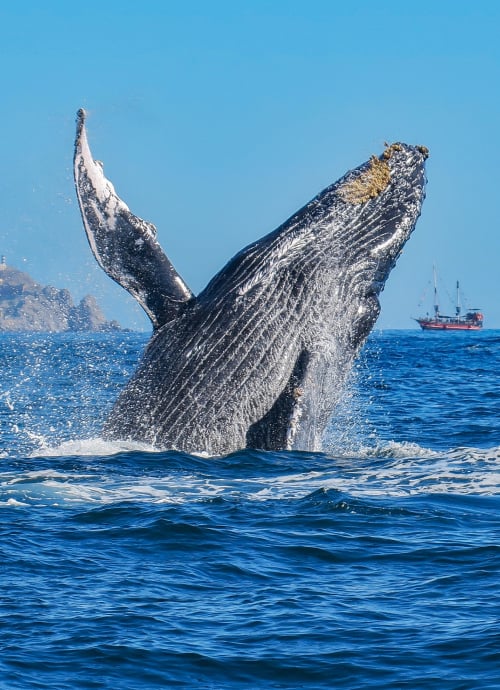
x: 258, y: 359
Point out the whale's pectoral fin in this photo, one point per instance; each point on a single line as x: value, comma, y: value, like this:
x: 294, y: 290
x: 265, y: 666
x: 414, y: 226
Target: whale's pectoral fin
x: 276, y: 429
x: 124, y: 245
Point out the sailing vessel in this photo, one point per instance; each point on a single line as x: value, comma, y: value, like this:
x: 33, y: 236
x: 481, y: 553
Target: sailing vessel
x: 472, y: 320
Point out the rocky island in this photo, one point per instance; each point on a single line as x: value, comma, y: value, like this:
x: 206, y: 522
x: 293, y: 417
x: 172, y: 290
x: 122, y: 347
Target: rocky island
x: 28, y: 306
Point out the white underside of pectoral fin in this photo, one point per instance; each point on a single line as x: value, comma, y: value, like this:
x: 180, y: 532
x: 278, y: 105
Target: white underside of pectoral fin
x: 125, y: 246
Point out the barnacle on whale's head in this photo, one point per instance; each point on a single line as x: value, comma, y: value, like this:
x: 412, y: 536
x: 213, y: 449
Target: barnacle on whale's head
x: 368, y: 184
x: 371, y: 181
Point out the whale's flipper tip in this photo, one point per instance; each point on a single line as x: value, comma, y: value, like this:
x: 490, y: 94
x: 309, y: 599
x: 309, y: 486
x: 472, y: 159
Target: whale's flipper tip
x: 81, y: 116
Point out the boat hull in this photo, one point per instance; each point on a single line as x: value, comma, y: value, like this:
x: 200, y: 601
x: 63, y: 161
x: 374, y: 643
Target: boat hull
x: 440, y: 326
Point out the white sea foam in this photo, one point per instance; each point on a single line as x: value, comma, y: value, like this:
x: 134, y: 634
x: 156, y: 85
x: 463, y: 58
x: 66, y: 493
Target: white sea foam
x: 446, y: 473
x: 14, y: 503
x: 393, y: 449
x: 389, y: 469
x: 85, y: 447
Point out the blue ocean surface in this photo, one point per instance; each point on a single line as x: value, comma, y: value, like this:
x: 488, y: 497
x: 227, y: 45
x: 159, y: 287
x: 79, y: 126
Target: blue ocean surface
x: 374, y: 564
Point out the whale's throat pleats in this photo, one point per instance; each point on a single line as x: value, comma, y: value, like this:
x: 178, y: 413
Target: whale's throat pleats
x: 275, y: 430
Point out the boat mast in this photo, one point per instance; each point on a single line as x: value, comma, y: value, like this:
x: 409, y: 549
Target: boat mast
x: 458, y: 308
x: 436, y: 303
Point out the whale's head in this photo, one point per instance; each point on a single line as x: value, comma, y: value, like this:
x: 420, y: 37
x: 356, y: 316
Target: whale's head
x: 332, y: 257
x: 374, y: 210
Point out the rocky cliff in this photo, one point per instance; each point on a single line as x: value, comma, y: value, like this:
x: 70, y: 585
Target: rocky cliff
x: 27, y: 306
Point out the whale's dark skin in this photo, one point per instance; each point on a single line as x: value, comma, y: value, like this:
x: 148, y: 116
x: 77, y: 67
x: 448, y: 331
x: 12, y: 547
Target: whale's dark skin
x: 259, y: 357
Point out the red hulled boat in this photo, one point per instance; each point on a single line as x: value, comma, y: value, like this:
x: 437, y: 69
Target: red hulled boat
x: 472, y: 320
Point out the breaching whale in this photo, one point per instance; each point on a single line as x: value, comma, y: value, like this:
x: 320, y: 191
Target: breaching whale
x: 259, y: 357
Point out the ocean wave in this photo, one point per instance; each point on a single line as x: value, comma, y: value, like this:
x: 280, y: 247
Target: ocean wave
x: 99, y: 472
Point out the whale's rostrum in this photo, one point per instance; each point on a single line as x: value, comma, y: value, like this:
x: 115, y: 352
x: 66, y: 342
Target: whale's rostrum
x: 259, y: 357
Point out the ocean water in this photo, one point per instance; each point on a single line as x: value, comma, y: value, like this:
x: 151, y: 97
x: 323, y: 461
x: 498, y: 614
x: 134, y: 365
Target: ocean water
x: 372, y: 565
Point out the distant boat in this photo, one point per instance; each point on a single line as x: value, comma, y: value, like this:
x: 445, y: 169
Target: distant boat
x: 471, y: 321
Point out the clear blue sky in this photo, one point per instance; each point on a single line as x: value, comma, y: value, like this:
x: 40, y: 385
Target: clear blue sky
x: 217, y: 120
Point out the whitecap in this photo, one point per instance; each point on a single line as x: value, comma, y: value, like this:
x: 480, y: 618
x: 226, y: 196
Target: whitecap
x: 88, y: 447
x: 13, y: 502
